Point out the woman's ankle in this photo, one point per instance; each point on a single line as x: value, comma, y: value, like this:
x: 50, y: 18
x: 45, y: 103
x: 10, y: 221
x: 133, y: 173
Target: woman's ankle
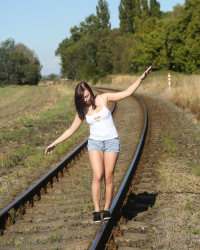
x: 106, y: 209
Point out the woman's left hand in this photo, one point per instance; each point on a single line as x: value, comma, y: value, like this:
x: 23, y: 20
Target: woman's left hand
x: 145, y: 74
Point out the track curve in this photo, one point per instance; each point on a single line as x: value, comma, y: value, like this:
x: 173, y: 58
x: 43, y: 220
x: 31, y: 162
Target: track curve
x: 40, y: 225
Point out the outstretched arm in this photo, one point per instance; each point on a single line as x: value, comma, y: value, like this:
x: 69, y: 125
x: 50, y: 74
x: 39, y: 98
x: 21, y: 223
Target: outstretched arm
x: 129, y: 90
x: 69, y: 132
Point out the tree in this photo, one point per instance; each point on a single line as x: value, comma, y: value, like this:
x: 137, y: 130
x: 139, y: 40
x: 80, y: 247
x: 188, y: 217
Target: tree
x: 150, y: 46
x: 103, y: 55
x: 177, y: 9
x: 120, y: 53
x: 7, y: 66
x: 28, y: 65
x: 155, y: 9
x: 91, y: 24
x: 103, y: 15
x: 138, y: 8
x: 61, y: 47
x: 18, y: 64
x: 126, y: 16
x: 51, y: 77
x: 145, y: 9
x: 72, y: 58
x: 183, y: 39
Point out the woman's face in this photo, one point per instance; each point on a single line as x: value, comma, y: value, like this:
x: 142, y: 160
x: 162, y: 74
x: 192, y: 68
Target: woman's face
x: 87, y: 97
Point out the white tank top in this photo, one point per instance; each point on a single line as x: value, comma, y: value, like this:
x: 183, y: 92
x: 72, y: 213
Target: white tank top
x: 101, y: 125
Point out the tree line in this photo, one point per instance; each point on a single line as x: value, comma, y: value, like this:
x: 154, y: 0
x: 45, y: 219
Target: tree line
x: 18, y: 64
x: 147, y: 36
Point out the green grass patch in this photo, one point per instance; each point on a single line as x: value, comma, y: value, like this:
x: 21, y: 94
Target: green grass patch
x: 191, y: 230
x: 169, y: 145
x: 38, y: 129
x: 196, y: 170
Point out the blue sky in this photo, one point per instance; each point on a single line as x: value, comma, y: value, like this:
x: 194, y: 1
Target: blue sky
x: 43, y: 24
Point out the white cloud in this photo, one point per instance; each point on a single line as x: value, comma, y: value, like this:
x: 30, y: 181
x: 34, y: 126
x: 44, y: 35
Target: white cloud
x: 51, y: 67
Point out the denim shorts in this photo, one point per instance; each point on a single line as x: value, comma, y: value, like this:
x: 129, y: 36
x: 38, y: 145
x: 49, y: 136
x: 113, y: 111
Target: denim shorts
x: 111, y: 145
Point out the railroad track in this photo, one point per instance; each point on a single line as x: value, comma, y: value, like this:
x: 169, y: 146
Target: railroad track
x: 56, y: 212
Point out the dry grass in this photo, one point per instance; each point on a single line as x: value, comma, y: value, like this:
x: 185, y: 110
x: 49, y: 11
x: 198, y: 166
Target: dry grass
x: 176, y: 225
x: 177, y: 177
x: 185, y: 89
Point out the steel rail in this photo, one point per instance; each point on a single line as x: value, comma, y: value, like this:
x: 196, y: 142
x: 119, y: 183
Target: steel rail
x: 100, y: 239
x: 35, y: 189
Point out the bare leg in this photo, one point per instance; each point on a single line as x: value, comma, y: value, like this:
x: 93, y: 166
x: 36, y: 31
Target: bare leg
x: 96, y: 159
x: 110, y: 159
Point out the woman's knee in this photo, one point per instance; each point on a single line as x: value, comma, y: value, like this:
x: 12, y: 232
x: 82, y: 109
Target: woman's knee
x: 97, y: 178
x: 109, y: 180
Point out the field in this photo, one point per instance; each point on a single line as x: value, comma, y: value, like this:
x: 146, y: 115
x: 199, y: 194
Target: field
x: 184, y: 92
x: 31, y: 118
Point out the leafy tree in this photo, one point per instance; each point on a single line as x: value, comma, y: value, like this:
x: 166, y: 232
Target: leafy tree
x: 79, y: 52
x: 150, y: 46
x: 51, y: 77
x: 73, y: 57
x: 177, y: 9
x: 167, y: 14
x: 183, y: 39
x: 28, y: 65
x: 155, y: 9
x: 91, y: 25
x: 105, y: 40
x: 138, y: 10
x: 7, y: 66
x: 103, y: 15
x: 145, y: 9
x: 126, y: 16
x: 61, y: 47
x: 121, y: 52
x: 18, y: 64
x: 75, y: 34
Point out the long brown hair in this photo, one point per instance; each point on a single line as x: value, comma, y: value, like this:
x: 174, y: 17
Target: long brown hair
x: 79, y: 98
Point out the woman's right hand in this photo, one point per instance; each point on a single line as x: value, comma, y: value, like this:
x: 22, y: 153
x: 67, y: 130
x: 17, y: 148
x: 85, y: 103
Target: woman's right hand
x: 49, y: 149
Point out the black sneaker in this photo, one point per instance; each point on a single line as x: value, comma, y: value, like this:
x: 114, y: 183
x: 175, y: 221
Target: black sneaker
x: 97, y: 217
x: 106, y: 215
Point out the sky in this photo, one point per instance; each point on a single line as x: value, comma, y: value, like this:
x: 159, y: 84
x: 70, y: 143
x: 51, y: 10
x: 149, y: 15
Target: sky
x: 42, y: 24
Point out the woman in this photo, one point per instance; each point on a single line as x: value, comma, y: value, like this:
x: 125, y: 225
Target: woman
x: 103, y: 143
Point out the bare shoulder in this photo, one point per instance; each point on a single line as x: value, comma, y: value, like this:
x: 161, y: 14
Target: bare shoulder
x: 104, y: 98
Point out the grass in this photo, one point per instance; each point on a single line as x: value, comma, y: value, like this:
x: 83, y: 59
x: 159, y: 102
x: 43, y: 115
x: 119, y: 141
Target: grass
x: 168, y: 214
x: 158, y: 202
x: 12, y: 214
x: 169, y: 145
x: 23, y: 140
x: 42, y: 123
x: 191, y: 230
x: 185, y: 91
x: 189, y: 206
x: 178, y: 214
